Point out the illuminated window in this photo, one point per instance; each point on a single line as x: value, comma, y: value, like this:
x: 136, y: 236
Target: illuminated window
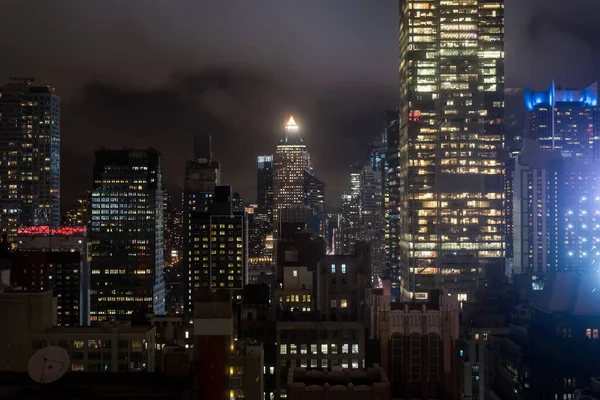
x: 295, y: 273
x: 283, y: 349
x: 323, y: 349
x: 343, y: 268
x: 333, y: 268
x: 343, y: 303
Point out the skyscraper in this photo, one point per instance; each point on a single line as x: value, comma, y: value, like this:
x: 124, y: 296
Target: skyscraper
x: 314, y: 198
x: 29, y: 155
x: 450, y: 145
x: 264, y: 184
x: 127, y: 235
x: 391, y: 202
x: 566, y: 120
x: 262, y: 217
x: 290, y: 161
x: 202, y: 175
x: 218, y: 255
x: 556, y: 209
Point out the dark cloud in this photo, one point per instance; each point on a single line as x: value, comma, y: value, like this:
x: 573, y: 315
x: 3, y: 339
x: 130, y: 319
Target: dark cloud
x: 584, y: 31
x: 333, y: 63
x: 243, y: 111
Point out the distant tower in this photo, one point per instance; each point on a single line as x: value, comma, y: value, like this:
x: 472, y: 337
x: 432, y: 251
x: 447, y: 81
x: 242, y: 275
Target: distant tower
x: 30, y: 154
x: 290, y: 161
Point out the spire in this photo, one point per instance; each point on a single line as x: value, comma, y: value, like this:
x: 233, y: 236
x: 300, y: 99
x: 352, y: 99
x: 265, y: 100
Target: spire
x: 291, y: 125
x: 291, y: 135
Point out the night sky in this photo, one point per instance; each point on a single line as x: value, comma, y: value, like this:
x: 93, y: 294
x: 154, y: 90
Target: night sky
x: 154, y: 72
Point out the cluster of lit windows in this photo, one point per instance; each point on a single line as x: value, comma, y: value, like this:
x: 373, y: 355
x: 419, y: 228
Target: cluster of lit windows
x: 346, y: 348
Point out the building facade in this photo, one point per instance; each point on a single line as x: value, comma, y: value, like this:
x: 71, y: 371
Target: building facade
x: 450, y: 145
x: 30, y: 155
x: 56, y: 259
x: 218, y: 256
x: 566, y: 120
x: 290, y: 161
x: 126, y: 235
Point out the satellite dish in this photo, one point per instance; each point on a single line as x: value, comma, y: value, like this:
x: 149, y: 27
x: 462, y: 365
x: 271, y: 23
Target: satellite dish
x: 48, y: 364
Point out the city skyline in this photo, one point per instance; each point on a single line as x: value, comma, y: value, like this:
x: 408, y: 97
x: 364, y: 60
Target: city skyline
x: 360, y: 72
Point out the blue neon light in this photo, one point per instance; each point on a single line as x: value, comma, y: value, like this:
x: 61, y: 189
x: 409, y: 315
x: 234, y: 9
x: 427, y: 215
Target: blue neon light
x: 587, y: 96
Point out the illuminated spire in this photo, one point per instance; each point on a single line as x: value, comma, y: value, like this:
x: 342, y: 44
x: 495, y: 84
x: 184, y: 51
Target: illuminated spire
x: 291, y: 125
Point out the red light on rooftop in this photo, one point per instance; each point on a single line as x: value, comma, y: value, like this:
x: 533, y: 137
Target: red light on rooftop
x: 44, y: 230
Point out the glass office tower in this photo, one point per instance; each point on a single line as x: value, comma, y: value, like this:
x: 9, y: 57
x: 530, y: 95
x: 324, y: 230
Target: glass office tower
x: 451, y: 143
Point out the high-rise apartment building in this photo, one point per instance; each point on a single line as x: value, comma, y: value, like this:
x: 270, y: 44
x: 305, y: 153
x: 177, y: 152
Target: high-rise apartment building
x: 29, y: 155
x: 566, y: 120
x: 55, y: 258
x: 290, y: 161
x: 556, y: 209
x: 202, y: 175
x: 218, y: 255
x: 127, y: 235
x: 450, y: 144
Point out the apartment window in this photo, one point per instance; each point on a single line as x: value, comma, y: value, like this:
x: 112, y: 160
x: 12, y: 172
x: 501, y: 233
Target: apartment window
x: 595, y: 333
x: 345, y: 348
x: 344, y: 303
x: 324, y: 363
x: 303, y: 348
x: 333, y: 303
x: 295, y: 273
x: 334, y: 349
x: 303, y: 363
x: 313, y: 349
x: 354, y: 363
x: 344, y: 363
x: 283, y: 349
x: 588, y: 333
x: 333, y: 268
x: 343, y: 268
x: 313, y: 363
x: 77, y: 367
x: 354, y: 349
x: 477, y: 336
x: 485, y: 336
x: 293, y: 349
x: 323, y: 349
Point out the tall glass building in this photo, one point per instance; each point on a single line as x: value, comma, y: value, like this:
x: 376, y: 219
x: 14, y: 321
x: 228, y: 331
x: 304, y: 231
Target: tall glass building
x: 126, y: 235
x: 29, y: 155
x: 450, y: 145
